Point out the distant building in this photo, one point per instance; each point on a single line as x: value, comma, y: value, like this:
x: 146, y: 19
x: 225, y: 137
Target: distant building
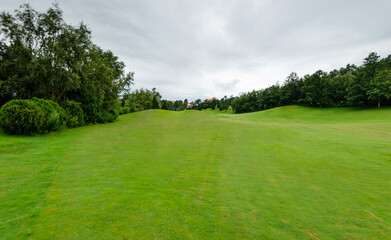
x: 191, y: 105
x: 210, y: 100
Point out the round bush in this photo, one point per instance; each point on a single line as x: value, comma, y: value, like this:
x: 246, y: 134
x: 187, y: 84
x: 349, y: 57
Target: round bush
x: 52, y: 117
x: 23, y: 117
x: 29, y: 117
x: 74, y: 112
x: 62, y: 114
x: 56, y: 115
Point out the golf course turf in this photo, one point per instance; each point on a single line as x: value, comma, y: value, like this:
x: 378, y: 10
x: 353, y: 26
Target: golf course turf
x: 286, y: 173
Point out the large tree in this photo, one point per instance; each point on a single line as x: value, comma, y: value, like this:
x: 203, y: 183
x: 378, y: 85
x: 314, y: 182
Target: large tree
x: 43, y: 56
x: 360, y: 84
x: 380, y: 87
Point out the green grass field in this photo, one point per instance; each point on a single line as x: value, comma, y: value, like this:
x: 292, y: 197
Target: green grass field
x: 286, y: 173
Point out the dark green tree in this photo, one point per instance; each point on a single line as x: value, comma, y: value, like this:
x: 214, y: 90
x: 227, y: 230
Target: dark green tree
x: 360, y: 85
x: 155, y: 103
x: 291, y: 89
x: 380, y: 87
x: 316, y: 88
x: 165, y: 105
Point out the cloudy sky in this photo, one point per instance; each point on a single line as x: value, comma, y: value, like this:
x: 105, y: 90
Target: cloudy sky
x: 200, y: 49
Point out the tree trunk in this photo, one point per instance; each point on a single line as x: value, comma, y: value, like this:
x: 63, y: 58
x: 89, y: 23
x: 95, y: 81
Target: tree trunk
x: 378, y: 104
x: 62, y: 92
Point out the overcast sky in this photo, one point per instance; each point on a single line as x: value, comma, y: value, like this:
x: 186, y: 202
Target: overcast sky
x: 203, y: 49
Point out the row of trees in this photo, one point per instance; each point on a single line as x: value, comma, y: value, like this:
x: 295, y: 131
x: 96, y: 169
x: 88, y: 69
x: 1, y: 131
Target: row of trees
x: 144, y: 99
x: 360, y: 86
x: 42, y: 56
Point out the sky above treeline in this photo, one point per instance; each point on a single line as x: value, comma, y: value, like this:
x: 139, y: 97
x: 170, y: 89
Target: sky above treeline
x: 202, y: 49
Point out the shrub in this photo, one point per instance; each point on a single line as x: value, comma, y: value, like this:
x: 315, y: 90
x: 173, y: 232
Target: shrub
x: 30, y: 117
x: 91, y: 112
x: 52, y: 117
x: 124, y: 110
x: 107, y: 116
x: 62, y: 113
x: 115, y: 114
x: 56, y: 117
x: 135, y: 107
x: 74, y: 112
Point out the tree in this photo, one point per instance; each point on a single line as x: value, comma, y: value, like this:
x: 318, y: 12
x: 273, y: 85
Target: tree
x: 178, y: 105
x: 338, y: 86
x: 380, y: 87
x: 316, y: 89
x: 156, y: 93
x: 360, y: 85
x: 370, y: 65
x: 142, y: 99
x: 165, y: 105
x: 42, y: 56
x: 155, y: 103
x: 291, y: 89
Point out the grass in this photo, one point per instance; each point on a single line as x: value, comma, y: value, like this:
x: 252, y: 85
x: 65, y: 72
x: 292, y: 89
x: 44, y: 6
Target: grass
x: 286, y: 173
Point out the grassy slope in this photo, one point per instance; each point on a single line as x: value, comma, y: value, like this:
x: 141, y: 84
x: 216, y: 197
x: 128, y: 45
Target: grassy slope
x: 285, y: 173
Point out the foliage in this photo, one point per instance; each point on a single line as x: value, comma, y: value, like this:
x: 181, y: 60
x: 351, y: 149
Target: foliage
x: 155, y: 103
x: 165, y: 105
x: 142, y: 99
x: 63, y: 117
x: 74, y: 112
x: 363, y: 86
x: 107, y: 116
x: 178, y: 105
x: 124, y: 110
x: 29, y: 117
x: 42, y: 56
x: 380, y: 87
x: 54, y: 114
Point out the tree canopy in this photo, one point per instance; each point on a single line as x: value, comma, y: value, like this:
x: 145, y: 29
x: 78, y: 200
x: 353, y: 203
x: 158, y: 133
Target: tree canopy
x: 43, y: 56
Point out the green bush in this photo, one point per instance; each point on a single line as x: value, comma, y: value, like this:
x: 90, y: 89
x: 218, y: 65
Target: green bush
x: 62, y: 113
x: 124, y: 110
x: 56, y: 117
x: 91, y: 112
x: 135, y: 107
x: 52, y: 117
x: 30, y: 117
x: 74, y: 112
x: 115, y: 114
x: 107, y: 116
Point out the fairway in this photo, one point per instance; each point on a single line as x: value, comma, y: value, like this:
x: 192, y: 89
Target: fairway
x: 286, y: 173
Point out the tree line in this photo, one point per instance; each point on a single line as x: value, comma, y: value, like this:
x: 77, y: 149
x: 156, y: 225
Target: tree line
x: 353, y: 86
x: 350, y: 86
